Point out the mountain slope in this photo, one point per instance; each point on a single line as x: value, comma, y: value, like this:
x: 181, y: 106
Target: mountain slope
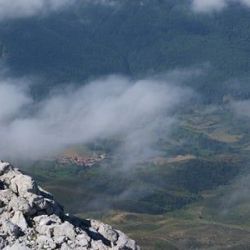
x: 134, y: 38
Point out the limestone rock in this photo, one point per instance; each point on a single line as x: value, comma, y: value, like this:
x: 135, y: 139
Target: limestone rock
x: 65, y: 229
x: 17, y: 246
x: 31, y: 219
x: 19, y: 220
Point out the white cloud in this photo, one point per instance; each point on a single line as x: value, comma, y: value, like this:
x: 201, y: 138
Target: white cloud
x: 215, y: 5
x: 241, y: 108
x: 27, y: 8
x: 102, y: 109
x: 10, y: 92
x: 208, y: 5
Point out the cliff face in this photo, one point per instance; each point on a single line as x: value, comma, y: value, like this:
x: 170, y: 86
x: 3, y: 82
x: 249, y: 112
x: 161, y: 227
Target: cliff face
x: 31, y: 219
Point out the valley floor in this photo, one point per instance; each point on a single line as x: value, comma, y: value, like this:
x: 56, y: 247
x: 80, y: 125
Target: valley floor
x: 194, y: 196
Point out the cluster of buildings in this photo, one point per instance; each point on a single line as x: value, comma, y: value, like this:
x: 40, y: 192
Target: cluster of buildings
x: 82, y: 161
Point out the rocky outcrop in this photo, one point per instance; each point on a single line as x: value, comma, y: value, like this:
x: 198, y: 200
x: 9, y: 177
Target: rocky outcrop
x: 31, y: 219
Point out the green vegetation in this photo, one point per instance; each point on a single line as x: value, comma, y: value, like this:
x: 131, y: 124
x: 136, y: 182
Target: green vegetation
x: 134, y: 39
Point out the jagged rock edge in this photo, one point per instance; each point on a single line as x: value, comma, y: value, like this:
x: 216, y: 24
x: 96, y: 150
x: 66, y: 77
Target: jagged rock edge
x: 30, y: 219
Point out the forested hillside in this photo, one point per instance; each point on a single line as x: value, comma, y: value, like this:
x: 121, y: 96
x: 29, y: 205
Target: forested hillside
x: 135, y: 38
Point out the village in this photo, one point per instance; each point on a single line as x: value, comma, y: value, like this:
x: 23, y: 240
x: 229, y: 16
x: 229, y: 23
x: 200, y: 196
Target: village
x: 82, y: 161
